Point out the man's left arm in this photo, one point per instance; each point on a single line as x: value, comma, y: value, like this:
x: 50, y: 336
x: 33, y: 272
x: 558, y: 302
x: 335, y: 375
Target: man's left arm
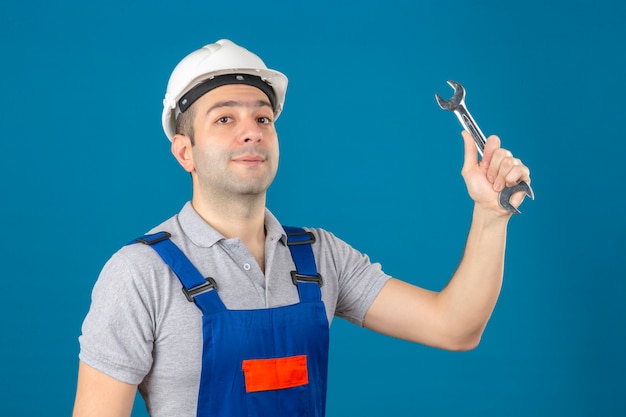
x: 455, y: 317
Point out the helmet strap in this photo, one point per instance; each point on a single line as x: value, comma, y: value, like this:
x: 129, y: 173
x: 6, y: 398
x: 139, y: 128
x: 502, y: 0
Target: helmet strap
x: 204, y: 87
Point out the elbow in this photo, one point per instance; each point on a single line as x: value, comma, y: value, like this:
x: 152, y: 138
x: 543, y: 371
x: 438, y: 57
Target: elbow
x: 463, y: 344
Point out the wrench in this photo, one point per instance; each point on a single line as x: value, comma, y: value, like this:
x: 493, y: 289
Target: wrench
x: 457, y: 105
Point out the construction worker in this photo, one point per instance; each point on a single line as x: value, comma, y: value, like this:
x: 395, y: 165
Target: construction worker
x: 248, y: 333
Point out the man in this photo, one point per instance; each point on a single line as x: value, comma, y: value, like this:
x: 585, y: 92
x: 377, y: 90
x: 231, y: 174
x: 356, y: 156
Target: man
x: 249, y: 333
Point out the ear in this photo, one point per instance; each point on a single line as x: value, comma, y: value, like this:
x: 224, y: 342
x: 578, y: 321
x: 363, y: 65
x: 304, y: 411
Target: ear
x: 181, y: 149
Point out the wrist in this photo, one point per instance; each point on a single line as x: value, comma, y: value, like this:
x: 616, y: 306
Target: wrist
x: 489, y: 215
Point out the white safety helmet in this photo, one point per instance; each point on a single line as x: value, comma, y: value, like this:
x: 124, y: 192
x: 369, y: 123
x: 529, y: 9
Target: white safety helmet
x: 213, y: 60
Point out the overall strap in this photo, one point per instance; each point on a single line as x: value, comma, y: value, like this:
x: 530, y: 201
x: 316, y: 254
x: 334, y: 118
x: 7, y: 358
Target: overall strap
x: 196, y: 288
x: 305, y: 277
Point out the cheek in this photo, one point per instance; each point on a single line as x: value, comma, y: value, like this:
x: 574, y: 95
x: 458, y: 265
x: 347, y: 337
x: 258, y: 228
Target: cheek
x: 204, y: 157
x: 276, y: 151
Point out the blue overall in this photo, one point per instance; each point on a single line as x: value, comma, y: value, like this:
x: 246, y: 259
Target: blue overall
x: 264, y: 363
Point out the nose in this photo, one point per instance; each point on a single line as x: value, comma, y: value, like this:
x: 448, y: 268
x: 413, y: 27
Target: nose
x: 250, y: 130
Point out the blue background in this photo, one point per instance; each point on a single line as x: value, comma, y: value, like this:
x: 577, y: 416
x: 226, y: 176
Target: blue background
x: 366, y: 153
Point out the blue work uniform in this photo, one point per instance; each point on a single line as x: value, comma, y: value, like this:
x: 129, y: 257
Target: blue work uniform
x: 264, y: 362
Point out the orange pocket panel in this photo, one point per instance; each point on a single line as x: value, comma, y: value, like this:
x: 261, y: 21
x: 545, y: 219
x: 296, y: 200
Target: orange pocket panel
x: 278, y: 373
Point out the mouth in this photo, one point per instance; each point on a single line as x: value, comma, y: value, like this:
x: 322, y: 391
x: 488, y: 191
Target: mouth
x: 249, y: 159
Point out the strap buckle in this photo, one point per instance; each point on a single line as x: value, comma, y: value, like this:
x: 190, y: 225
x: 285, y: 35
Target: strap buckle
x: 299, y: 238
x: 153, y: 238
x: 296, y: 277
x: 209, y: 285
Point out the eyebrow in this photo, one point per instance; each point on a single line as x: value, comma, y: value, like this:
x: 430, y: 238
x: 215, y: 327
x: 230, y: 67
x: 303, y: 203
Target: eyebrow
x: 235, y: 103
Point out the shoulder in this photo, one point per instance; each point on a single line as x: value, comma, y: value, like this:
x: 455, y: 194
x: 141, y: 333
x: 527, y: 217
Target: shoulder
x: 137, y: 266
x: 343, y: 259
x: 329, y: 245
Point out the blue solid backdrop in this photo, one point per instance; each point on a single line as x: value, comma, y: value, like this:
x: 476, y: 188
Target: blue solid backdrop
x: 366, y: 153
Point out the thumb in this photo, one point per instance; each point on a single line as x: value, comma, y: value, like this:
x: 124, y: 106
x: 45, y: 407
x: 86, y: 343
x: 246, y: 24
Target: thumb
x: 471, y: 153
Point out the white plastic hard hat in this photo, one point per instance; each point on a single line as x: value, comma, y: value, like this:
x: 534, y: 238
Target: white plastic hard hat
x: 220, y: 58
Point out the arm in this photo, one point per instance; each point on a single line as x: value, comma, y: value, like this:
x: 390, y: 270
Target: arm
x: 455, y: 318
x: 99, y: 395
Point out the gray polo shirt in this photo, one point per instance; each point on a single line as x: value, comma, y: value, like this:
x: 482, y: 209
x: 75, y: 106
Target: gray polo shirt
x: 141, y: 329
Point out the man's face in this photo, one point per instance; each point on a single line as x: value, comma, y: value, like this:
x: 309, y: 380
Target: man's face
x: 236, y: 146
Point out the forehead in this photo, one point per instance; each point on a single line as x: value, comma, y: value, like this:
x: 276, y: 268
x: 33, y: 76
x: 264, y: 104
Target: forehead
x: 240, y: 93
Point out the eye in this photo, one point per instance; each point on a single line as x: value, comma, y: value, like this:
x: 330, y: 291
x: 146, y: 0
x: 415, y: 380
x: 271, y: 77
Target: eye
x: 224, y: 119
x: 264, y: 120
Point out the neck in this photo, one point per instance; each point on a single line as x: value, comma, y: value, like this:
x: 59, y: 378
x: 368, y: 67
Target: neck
x: 241, y: 216
x: 233, y: 217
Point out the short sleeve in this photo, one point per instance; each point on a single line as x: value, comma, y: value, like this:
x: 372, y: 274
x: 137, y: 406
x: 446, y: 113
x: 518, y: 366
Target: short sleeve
x: 118, y: 331
x: 359, y: 279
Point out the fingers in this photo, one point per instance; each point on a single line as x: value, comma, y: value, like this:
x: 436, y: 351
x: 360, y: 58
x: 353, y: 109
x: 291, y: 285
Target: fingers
x: 492, y: 145
x: 497, y: 169
x: 503, y: 169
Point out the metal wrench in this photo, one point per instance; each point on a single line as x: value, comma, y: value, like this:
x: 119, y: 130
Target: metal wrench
x: 457, y: 105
